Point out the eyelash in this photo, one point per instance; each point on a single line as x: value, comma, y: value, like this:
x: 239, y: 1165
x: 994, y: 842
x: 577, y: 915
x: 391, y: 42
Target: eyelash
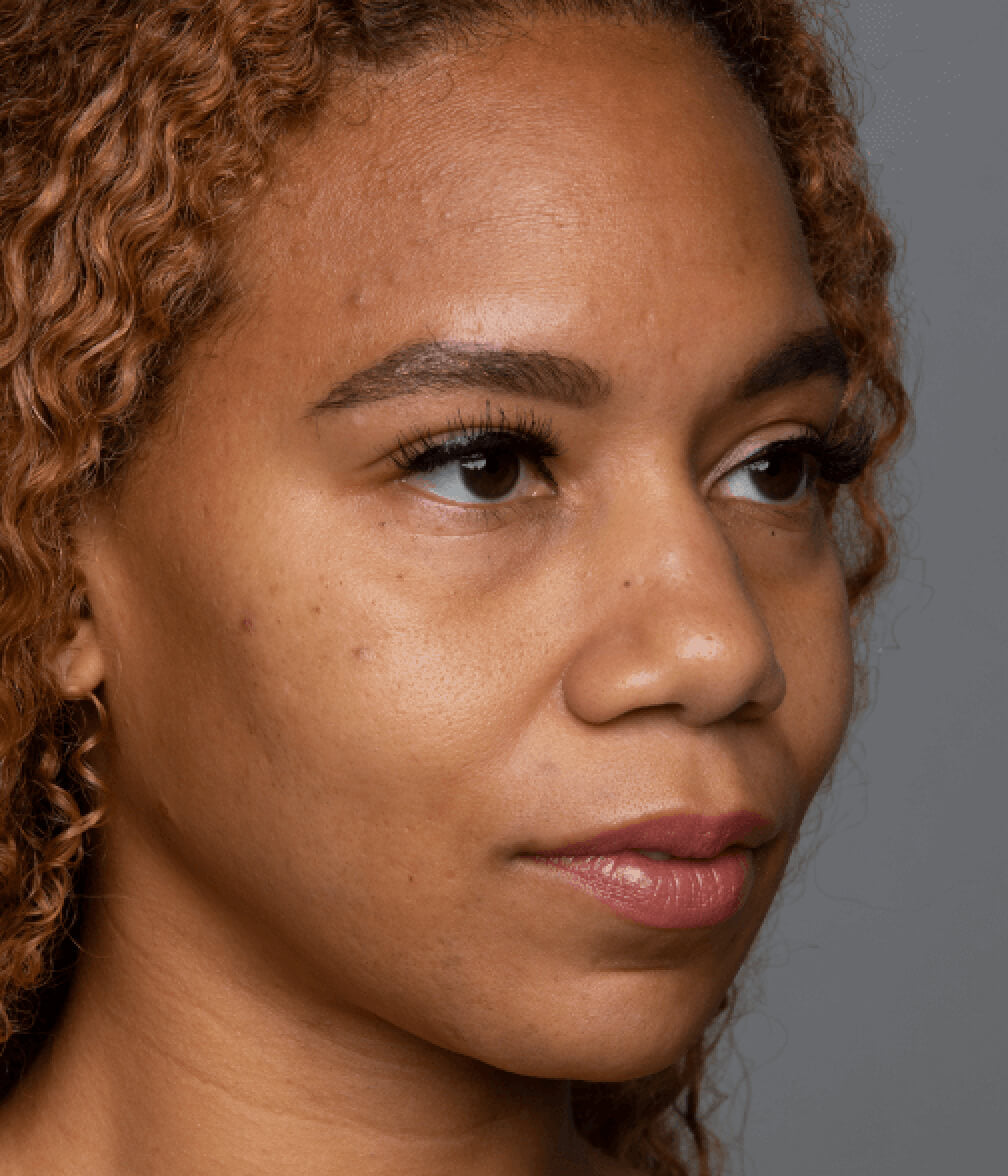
x: 533, y: 438
x: 838, y: 460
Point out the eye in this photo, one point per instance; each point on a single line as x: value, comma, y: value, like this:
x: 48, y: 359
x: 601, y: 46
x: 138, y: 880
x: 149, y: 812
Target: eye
x: 480, y: 467
x: 780, y: 474
x: 785, y: 472
x: 490, y: 470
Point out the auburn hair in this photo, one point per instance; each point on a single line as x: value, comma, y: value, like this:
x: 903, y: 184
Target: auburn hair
x: 134, y: 134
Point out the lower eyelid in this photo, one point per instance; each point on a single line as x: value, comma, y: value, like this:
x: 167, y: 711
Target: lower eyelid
x: 439, y: 515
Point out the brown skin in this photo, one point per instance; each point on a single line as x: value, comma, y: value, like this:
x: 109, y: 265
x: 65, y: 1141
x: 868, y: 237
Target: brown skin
x: 344, y: 706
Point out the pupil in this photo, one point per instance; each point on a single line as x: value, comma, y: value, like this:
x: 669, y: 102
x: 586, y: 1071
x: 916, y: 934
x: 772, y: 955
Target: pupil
x: 491, y: 475
x: 781, y: 476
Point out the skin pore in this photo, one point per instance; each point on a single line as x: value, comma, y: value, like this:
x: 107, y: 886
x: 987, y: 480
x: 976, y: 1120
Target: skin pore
x: 348, y: 701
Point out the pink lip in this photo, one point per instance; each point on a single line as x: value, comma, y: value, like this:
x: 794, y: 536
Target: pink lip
x: 706, y: 883
x: 681, y: 835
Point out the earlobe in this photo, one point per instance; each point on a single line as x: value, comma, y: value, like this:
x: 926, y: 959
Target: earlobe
x: 79, y: 664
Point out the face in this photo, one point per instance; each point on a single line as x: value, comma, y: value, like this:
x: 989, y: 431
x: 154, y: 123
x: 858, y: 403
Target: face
x: 364, y: 661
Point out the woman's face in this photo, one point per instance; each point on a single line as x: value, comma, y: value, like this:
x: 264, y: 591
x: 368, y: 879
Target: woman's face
x: 350, y: 700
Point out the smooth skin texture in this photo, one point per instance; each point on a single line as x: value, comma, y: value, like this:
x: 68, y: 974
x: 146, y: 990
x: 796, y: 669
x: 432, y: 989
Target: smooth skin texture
x: 344, y: 706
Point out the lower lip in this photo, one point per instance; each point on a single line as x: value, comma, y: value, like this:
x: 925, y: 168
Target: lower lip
x: 677, y: 894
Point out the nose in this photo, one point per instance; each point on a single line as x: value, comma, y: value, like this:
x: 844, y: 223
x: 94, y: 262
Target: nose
x: 673, y: 624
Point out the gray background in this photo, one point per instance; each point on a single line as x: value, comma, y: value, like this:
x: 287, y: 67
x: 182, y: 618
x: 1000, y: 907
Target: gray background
x: 875, y: 1040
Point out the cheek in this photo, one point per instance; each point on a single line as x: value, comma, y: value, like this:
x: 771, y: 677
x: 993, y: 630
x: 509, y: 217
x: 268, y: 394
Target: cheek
x: 796, y: 578
x: 298, y: 677
x: 820, y: 680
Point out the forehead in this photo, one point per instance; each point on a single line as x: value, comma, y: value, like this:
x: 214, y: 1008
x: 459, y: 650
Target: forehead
x: 562, y: 167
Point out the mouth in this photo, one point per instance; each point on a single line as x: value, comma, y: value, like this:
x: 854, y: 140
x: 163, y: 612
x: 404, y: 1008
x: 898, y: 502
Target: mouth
x: 673, y: 872
x: 674, y: 835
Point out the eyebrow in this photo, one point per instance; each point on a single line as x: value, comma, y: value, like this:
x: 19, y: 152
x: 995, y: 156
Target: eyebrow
x: 440, y: 366
x: 543, y: 375
x: 804, y: 356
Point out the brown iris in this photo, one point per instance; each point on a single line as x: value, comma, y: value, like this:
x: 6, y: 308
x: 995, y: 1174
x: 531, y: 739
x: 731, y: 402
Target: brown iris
x: 783, y: 475
x: 492, y: 474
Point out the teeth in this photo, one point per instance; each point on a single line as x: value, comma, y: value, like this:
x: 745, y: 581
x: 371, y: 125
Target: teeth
x: 655, y: 855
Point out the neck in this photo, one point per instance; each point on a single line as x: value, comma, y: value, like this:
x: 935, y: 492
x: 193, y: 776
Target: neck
x: 164, y: 1061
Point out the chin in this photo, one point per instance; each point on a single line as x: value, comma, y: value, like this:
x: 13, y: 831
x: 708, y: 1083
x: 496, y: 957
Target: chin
x: 639, y: 1037
x: 603, y: 1060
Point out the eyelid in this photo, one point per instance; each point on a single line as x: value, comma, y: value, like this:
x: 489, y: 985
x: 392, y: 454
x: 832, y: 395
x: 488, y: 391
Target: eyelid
x: 752, y: 448
x: 437, y: 450
x: 530, y: 439
x: 524, y: 426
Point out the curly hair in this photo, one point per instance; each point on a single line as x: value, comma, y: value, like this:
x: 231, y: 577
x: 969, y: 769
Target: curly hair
x: 134, y: 134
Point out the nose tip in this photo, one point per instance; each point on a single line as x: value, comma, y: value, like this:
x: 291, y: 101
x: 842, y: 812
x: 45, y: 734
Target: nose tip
x: 697, y: 645
x: 737, y: 676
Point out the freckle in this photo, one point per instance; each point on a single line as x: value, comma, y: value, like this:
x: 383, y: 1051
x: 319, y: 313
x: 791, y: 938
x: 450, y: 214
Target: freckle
x: 316, y: 609
x: 627, y: 583
x: 383, y: 523
x: 248, y: 624
x: 363, y: 653
x: 400, y: 575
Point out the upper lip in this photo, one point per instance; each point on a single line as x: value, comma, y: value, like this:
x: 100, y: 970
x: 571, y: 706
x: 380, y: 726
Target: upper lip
x: 680, y: 835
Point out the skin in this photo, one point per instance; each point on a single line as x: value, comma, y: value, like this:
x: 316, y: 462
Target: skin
x: 343, y: 707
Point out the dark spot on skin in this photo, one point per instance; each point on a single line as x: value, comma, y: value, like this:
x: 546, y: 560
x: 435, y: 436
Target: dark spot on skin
x: 400, y: 575
x: 627, y: 583
x: 363, y: 653
x: 316, y: 609
x: 248, y: 624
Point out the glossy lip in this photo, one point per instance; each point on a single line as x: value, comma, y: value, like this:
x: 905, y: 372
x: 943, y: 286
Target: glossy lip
x: 705, y: 881
x: 680, y: 835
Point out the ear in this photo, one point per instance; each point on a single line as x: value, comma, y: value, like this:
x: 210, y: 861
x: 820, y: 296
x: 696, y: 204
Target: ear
x: 79, y: 663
